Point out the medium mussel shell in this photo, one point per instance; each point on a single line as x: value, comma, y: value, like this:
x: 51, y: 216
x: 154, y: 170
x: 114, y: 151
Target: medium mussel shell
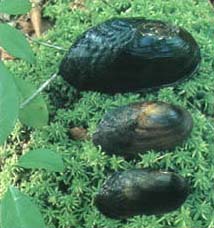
x: 139, y: 127
x: 129, y: 54
x: 141, y: 192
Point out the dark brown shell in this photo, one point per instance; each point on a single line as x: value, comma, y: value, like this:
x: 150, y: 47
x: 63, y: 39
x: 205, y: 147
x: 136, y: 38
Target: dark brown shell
x: 139, y: 127
x: 128, y: 54
x: 141, y: 192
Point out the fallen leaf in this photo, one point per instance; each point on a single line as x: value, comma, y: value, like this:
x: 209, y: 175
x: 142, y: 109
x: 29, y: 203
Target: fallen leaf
x: 77, y: 4
x: 4, y: 55
x: 25, y: 24
x: 79, y: 133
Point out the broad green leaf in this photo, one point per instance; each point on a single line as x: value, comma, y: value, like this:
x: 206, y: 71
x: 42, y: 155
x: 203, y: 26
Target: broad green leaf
x: 35, y: 114
x: 9, y: 103
x: 18, y: 211
x: 42, y: 159
x: 15, y: 43
x: 15, y: 7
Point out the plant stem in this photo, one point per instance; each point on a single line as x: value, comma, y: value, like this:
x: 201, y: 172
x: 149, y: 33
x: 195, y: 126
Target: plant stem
x: 36, y: 93
x: 46, y: 44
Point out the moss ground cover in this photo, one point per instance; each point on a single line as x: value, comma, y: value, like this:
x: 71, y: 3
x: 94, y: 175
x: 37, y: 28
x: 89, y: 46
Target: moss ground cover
x: 66, y: 199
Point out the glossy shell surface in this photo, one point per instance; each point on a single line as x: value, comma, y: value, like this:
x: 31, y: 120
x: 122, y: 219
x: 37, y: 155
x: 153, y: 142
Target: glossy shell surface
x: 139, y: 127
x: 129, y: 54
x: 141, y: 192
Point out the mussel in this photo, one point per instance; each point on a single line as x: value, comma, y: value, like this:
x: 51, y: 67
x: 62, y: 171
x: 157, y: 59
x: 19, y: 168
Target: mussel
x: 129, y: 54
x: 141, y: 192
x: 139, y: 127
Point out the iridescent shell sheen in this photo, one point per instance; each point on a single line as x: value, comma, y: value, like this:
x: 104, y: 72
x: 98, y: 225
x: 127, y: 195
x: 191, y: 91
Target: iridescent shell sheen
x: 138, y: 127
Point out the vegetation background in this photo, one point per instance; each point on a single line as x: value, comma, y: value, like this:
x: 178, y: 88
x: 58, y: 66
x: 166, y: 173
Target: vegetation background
x: 66, y: 199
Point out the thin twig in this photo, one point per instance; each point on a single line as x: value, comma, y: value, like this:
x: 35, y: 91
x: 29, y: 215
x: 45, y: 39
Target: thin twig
x: 36, y: 93
x: 162, y: 156
x: 46, y: 44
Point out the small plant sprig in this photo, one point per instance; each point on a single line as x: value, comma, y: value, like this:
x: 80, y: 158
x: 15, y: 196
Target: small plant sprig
x: 13, y: 91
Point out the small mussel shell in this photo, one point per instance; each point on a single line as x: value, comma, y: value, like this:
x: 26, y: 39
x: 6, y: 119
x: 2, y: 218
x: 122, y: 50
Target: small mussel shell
x: 139, y: 127
x: 129, y: 54
x: 141, y: 192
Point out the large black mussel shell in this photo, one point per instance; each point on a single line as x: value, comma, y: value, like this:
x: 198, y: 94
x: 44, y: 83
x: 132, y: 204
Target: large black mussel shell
x: 141, y: 192
x: 138, y: 127
x: 128, y: 54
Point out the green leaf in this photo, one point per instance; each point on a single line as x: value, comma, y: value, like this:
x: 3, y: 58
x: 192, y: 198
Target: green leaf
x: 15, y: 43
x: 9, y: 103
x: 18, y: 211
x: 35, y: 114
x: 15, y: 7
x: 42, y: 159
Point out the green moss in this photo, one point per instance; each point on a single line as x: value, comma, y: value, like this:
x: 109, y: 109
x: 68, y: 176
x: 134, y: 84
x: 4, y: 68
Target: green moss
x: 66, y: 199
